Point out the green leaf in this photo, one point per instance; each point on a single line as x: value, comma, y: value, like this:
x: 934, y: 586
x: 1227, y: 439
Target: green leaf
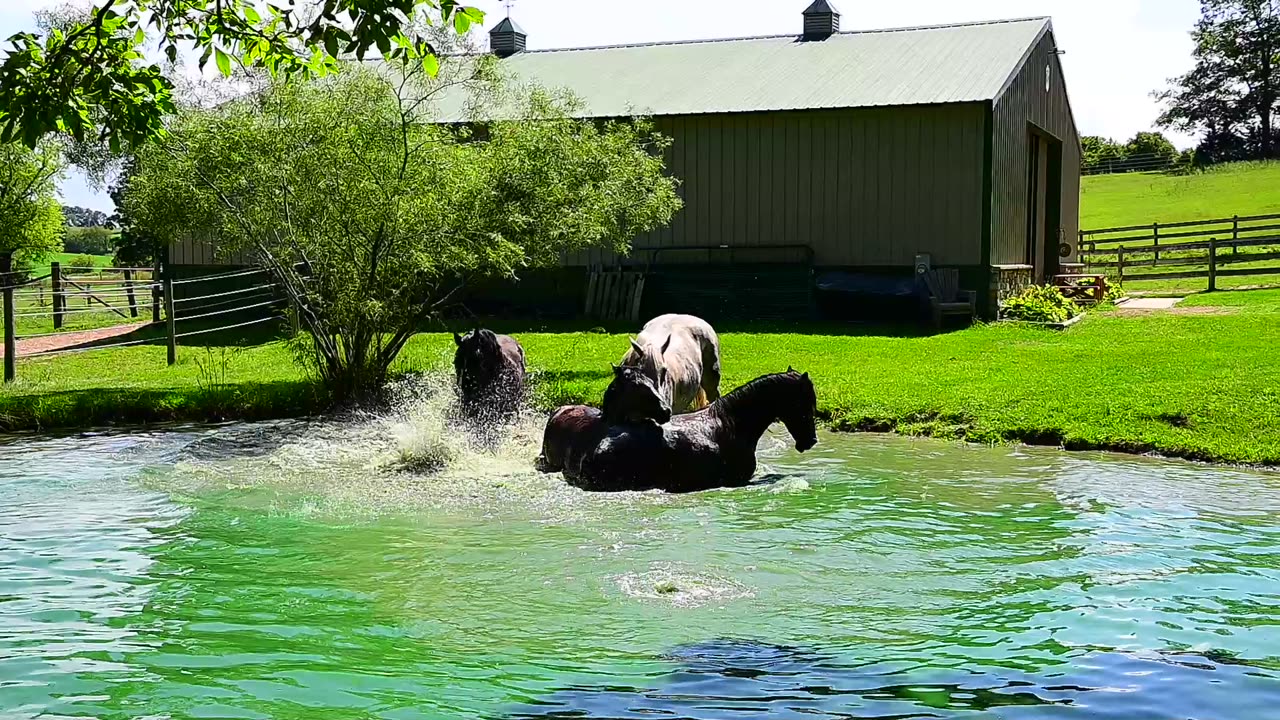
x: 430, y: 65
x: 461, y: 23
x: 223, y: 60
x: 252, y: 15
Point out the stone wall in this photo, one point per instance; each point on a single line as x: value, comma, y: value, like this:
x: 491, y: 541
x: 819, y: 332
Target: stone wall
x: 1007, y: 281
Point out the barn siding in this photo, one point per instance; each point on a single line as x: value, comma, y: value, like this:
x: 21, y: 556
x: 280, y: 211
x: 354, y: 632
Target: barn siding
x: 866, y: 187
x: 1026, y: 103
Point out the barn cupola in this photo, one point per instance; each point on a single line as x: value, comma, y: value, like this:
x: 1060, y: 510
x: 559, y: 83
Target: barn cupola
x: 821, y: 20
x: 507, y: 38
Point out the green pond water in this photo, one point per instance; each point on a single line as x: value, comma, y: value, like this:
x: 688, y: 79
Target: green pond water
x: 284, y: 571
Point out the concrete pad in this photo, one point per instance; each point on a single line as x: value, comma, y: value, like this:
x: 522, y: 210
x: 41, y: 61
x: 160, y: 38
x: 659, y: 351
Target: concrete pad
x: 1149, y: 303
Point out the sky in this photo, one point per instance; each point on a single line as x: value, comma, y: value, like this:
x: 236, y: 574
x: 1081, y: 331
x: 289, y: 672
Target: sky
x: 1117, y: 51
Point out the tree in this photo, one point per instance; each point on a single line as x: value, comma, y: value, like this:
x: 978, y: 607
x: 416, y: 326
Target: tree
x: 1234, y: 87
x: 1151, y: 148
x: 85, y: 217
x: 87, y: 77
x: 134, y: 245
x: 30, y: 216
x: 388, y: 212
x: 87, y: 240
x: 1100, y: 151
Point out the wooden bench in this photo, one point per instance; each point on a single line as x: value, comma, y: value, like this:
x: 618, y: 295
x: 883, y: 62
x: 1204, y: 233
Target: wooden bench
x: 1095, y: 290
x: 946, y: 297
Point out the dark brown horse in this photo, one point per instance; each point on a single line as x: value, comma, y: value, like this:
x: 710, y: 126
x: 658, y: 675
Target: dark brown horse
x: 714, y: 447
x: 490, y: 373
x: 573, y: 430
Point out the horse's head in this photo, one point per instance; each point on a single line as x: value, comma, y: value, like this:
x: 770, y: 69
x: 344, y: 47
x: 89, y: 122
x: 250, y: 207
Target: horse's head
x: 633, y: 397
x: 477, y: 361
x: 801, y: 410
x: 649, y: 360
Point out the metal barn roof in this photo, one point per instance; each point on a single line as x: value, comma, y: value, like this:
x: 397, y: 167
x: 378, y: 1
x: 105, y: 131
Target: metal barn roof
x: 909, y: 66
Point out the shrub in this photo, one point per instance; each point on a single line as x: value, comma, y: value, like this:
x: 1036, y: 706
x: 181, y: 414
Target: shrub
x: 1039, y: 303
x: 84, y: 261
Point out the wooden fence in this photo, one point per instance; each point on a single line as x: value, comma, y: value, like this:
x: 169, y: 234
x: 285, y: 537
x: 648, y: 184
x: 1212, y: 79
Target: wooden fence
x: 110, y: 318
x: 1214, y: 248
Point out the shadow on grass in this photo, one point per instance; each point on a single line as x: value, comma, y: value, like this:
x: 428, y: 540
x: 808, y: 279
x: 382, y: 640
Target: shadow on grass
x: 104, y: 407
x: 516, y: 326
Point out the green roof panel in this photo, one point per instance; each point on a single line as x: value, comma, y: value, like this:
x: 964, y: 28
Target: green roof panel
x: 909, y: 66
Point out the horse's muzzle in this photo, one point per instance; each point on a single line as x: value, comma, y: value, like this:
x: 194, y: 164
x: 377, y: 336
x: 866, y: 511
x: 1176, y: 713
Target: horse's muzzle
x: 806, y: 443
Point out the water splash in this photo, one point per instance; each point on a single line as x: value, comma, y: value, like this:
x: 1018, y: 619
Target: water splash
x: 678, y: 585
x: 413, y: 457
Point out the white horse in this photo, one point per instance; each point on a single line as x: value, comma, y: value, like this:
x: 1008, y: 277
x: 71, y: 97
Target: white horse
x: 681, y: 355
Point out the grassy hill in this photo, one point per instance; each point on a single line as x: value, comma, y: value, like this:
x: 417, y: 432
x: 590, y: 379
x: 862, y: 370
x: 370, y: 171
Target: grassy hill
x: 1144, y: 198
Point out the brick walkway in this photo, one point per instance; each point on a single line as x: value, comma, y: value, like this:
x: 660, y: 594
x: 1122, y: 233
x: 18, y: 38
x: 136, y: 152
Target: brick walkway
x: 63, y: 341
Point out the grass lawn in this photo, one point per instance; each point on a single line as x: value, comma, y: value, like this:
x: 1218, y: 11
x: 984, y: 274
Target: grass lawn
x: 1202, y: 383
x: 1220, y: 192
x: 1144, y: 198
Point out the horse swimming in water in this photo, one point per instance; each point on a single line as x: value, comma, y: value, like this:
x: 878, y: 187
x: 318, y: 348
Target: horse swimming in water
x: 711, y: 448
x: 490, y: 374
x: 681, y: 354
x: 573, y: 430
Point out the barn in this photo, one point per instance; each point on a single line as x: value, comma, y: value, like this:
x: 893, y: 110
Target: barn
x: 829, y: 159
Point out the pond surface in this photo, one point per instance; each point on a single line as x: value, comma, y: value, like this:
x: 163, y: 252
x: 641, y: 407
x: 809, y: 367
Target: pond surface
x: 282, y: 571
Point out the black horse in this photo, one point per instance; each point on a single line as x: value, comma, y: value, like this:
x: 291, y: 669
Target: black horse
x: 711, y: 448
x: 574, y: 430
x: 490, y: 373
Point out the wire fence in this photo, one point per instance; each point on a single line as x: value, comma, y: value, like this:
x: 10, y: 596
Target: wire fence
x: 127, y: 307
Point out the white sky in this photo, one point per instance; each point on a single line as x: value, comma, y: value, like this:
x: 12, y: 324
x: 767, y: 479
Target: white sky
x: 1117, y: 51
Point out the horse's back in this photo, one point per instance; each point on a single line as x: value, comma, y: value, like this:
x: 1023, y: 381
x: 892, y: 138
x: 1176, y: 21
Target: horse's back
x: 570, y: 431
x: 512, y: 352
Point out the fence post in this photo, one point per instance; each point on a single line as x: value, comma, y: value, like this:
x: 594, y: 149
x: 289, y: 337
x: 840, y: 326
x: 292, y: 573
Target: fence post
x: 1235, y: 234
x: 1155, y: 242
x: 10, y: 331
x: 1120, y: 266
x: 171, y: 322
x: 59, y: 300
x: 1080, y: 249
x: 1213, y: 264
x: 128, y: 288
x: 155, y: 290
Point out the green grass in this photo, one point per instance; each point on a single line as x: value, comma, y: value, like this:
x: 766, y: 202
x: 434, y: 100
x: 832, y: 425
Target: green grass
x: 67, y: 259
x: 1202, y: 386
x: 1140, y: 199
x: 1144, y: 198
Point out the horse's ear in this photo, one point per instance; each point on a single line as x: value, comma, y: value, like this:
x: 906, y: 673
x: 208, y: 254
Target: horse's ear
x: 636, y: 346
x: 457, y: 339
x: 790, y: 369
x: 805, y: 376
x: 666, y: 345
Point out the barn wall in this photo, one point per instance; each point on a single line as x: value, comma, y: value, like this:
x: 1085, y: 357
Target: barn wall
x: 1025, y: 103
x: 867, y: 187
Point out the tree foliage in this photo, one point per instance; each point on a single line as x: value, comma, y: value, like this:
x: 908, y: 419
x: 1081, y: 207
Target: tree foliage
x: 1145, y: 151
x: 135, y: 246
x: 30, y: 216
x: 87, y: 76
x: 1232, y: 94
x: 88, y: 240
x: 389, y: 212
x: 85, y: 217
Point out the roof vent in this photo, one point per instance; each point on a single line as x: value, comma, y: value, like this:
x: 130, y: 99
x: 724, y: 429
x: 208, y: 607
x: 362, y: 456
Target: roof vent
x: 821, y: 20
x: 507, y: 38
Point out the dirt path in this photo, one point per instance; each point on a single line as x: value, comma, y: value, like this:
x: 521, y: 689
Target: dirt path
x: 63, y: 341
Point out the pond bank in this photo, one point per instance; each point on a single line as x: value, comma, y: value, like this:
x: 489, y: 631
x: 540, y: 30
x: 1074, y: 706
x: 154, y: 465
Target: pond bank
x: 1198, y: 386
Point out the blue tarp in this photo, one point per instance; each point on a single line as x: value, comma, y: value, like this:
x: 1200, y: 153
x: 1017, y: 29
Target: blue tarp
x: 866, y: 284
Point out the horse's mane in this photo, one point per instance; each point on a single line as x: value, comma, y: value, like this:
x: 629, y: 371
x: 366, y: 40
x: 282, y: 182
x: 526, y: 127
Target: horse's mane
x: 728, y: 402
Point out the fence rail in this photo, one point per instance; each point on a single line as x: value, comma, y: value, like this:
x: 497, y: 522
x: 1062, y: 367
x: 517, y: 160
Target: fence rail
x: 1205, y: 245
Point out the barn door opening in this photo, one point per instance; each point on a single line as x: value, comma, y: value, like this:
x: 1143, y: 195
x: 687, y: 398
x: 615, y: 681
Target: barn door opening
x: 1044, y: 204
